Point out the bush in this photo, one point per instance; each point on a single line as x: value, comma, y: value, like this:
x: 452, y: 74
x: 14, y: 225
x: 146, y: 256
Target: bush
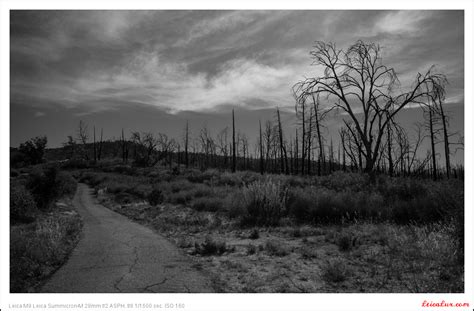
x: 264, y: 203
x: 195, y: 176
x: 50, y: 185
x: 343, y: 181
x: 179, y: 198
x: 308, y: 252
x: 254, y: 235
x: 67, y: 185
x: 207, y: 204
x: 202, y: 191
x: 139, y: 190
x: 345, y: 241
x: 251, y: 249
x: 275, y: 248
x: 320, y: 205
x: 33, y: 149
x: 210, y: 247
x: 22, y: 205
x: 180, y: 185
x: 155, y: 197
x: 335, y: 271
x: 403, y: 188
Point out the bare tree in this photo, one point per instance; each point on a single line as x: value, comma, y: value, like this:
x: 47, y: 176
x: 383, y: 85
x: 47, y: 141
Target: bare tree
x: 283, y: 154
x: 260, y: 143
x: 356, y: 79
x: 95, y: 148
x: 222, y: 144
x: 186, y: 144
x: 101, y: 142
x: 300, y: 109
x: 145, y: 144
x: 83, y: 136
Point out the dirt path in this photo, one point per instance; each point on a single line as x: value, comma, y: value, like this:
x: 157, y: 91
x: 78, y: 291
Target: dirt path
x: 116, y: 255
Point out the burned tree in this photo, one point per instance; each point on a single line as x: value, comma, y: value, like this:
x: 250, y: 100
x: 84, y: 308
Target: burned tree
x: 356, y: 79
x: 83, y: 137
x: 283, y: 154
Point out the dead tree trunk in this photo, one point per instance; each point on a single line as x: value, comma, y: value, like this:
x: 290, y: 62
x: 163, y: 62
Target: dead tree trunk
x: 446, y: 140
x: 389, y: 149
x: 282, y: 147
x: 233, y: 143
x: 303, y: 155
x: 123, y: 148
x: 296, y: 152
x: 186, y: 143
x: 95, y: 149
x: 310, y: 136
x: 432, y: 138
x: 99, y: 155
x: 261, y: 148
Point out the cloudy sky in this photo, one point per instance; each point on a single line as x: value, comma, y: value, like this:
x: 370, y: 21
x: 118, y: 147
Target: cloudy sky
x: 152, y: 70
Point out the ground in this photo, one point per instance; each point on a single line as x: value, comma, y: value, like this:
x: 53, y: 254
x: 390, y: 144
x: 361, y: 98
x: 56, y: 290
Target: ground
x: 356, y: 256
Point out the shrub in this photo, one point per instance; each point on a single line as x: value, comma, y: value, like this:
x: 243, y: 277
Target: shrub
x: 335, y: 271
x: 320, y: 205
x: 345, y: 241
x: 235, y: 206
x: 264, y: 203
x: 33, y: 149
x: 343, y: 181
x: 155, y: 197
x: 275, y: 248
x: 180, y: 185
x: 179, y: 198
x: 402, y: 188
x: 202, y: 191
x: 251, y: 249
x: 308, y: 252
x: 22, y: 205
x: 195, y: 176
x: 229, y: 179
x: 67, y: 185
x: 124, y: 169
x: 207, y: 204
x: 300, y: 206
x: 254, y: 235
x: 210, y: 247
x: 123, y: 198
x: 49, y: 185
x: 139, y: 190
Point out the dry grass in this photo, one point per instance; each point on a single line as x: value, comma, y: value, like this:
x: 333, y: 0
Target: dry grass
x: 39, y: 248
x: 337, y: 233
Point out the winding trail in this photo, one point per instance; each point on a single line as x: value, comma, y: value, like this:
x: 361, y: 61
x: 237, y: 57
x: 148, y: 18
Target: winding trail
x: 116, y: 255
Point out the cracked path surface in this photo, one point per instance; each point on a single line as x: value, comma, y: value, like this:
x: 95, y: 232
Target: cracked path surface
x: 116, y: 255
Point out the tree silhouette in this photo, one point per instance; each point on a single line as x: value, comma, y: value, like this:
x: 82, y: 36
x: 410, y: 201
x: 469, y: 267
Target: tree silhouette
x: 356, y: 82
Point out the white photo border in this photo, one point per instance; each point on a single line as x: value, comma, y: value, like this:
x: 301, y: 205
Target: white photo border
x: 218, y: 302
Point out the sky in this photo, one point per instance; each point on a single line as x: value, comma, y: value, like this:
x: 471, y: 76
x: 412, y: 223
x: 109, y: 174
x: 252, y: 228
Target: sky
x: 153, y: 70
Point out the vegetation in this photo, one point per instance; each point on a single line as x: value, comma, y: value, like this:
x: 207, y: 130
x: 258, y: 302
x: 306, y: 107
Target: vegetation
x: 362, y: 212
x: 341, y: 224
x: 43, y: 232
